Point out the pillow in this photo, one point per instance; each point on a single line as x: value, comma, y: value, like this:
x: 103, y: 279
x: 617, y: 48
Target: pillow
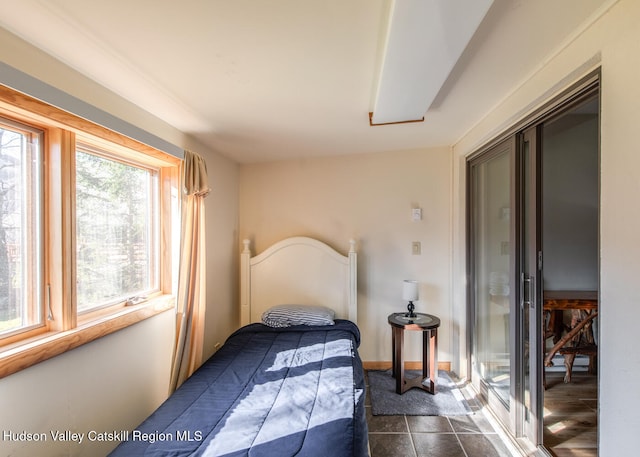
x: 288, y: 315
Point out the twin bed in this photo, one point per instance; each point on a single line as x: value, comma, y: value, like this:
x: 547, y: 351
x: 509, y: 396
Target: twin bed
x: 293, y: 387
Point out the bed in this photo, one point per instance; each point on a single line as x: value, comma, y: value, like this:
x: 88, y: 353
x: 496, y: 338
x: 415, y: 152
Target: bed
x: 272, y: 390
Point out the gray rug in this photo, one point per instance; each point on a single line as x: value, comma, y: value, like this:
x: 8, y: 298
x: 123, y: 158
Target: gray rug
x: 448, y: 400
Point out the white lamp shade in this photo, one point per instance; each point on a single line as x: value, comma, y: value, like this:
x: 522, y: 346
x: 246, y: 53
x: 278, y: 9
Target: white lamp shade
x: 410, y: 290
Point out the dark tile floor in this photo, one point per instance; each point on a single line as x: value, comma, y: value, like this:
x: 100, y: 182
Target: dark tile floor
x: 457, y: 436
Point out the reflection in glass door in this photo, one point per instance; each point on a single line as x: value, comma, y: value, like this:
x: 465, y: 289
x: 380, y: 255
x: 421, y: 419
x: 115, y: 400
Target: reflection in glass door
x: 492, y: 263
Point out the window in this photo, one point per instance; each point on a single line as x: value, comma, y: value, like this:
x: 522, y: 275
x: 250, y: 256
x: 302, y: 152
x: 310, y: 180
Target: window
x: 116, y: 234
x: 20, y: 228
x: 87, y: 223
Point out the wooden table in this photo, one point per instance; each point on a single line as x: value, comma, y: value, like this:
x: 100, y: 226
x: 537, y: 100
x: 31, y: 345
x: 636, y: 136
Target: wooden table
x: 428, y: 325
x: 578, y: 338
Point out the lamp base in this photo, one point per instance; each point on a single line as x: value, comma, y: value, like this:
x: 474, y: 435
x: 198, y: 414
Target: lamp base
x: 410, y: 308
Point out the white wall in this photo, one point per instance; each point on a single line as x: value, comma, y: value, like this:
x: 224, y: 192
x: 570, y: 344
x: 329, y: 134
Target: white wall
x: 369, y: 198
x: 612, y: 43
x: 116, y: 381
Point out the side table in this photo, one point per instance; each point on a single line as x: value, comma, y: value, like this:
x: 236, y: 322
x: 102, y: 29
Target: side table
x: 428, y: 325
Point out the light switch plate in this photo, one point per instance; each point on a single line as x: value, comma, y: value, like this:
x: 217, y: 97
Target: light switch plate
x: 415, y: 248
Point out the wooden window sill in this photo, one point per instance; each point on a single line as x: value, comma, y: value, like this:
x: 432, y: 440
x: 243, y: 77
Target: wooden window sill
x: 21, y: 355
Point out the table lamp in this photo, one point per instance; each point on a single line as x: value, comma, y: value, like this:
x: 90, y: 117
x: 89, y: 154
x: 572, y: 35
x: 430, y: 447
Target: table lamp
x: 410, y: 293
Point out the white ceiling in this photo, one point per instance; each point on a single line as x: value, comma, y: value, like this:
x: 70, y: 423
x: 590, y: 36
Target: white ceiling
x: 276, y: 79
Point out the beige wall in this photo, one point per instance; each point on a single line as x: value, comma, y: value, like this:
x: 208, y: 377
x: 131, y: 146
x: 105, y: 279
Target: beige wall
x: 116, y: 381
x: 368, y: 198
x: 221, y: 212
x: 111, y: 383
x: 610, y: 42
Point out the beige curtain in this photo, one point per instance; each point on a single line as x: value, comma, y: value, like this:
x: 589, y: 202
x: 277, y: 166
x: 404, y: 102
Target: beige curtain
x: 190, y: 307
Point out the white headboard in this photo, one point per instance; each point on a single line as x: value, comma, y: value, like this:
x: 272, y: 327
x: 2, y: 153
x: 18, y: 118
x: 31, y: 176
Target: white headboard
x: 301, y: 271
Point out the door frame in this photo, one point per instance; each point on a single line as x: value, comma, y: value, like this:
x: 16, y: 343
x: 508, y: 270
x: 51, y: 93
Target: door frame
x: 529, y: 419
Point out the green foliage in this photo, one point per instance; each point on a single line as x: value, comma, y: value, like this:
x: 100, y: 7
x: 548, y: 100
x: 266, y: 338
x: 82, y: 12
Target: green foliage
x: 10, y: 166
x: 113, y: 214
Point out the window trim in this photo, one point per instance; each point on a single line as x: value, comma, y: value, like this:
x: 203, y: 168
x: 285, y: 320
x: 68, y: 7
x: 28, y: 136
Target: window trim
x: 67, y: 330
x: 27, y: 353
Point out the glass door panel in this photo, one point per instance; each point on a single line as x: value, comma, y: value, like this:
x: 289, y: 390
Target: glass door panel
x: 492, y: 291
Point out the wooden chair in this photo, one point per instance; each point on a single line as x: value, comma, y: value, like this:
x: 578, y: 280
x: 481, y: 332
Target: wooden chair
x: 578, y: 340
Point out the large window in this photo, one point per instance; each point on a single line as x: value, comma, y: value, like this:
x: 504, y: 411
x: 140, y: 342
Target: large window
x: 20, y: 227
x: 86, y: 231
x: 116, y: 235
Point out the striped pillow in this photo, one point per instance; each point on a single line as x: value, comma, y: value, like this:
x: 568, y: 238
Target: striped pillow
x: 288, y: 315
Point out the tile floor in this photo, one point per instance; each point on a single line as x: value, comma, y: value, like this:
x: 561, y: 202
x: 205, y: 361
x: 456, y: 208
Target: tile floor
x: 437, y: 436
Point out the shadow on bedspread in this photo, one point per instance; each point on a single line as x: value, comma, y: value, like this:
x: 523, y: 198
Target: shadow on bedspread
x: 267, y: 392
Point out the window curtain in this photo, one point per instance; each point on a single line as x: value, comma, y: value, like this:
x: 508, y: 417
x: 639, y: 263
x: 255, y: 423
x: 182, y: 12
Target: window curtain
x: 191, y: 294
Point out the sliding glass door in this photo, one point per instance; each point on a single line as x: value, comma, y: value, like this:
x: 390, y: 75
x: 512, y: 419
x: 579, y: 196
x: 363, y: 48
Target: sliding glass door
x: 504, y: 286
x: 505, y: 257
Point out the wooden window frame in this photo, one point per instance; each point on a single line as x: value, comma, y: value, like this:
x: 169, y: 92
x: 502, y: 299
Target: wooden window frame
x: 34, y: 296
x: 65, y: 330
x: 109, y: 153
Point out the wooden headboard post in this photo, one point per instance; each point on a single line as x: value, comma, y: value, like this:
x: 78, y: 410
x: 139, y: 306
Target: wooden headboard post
x: 298, y: 270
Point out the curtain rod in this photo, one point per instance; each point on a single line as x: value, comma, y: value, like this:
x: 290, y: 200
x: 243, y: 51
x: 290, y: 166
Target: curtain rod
x: 33, y: 87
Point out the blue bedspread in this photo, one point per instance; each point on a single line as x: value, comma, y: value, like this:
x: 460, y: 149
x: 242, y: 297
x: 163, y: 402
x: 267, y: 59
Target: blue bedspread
x: 266, y: 392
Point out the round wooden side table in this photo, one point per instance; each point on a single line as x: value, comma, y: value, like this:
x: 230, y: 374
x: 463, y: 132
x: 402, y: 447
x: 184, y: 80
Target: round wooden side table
x: 428, y: 325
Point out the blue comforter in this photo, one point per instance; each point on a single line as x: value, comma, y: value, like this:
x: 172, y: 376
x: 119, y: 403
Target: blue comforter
x: 266, y: 392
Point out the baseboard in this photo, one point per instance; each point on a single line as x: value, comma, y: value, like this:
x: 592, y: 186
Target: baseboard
x: 446, y: 366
